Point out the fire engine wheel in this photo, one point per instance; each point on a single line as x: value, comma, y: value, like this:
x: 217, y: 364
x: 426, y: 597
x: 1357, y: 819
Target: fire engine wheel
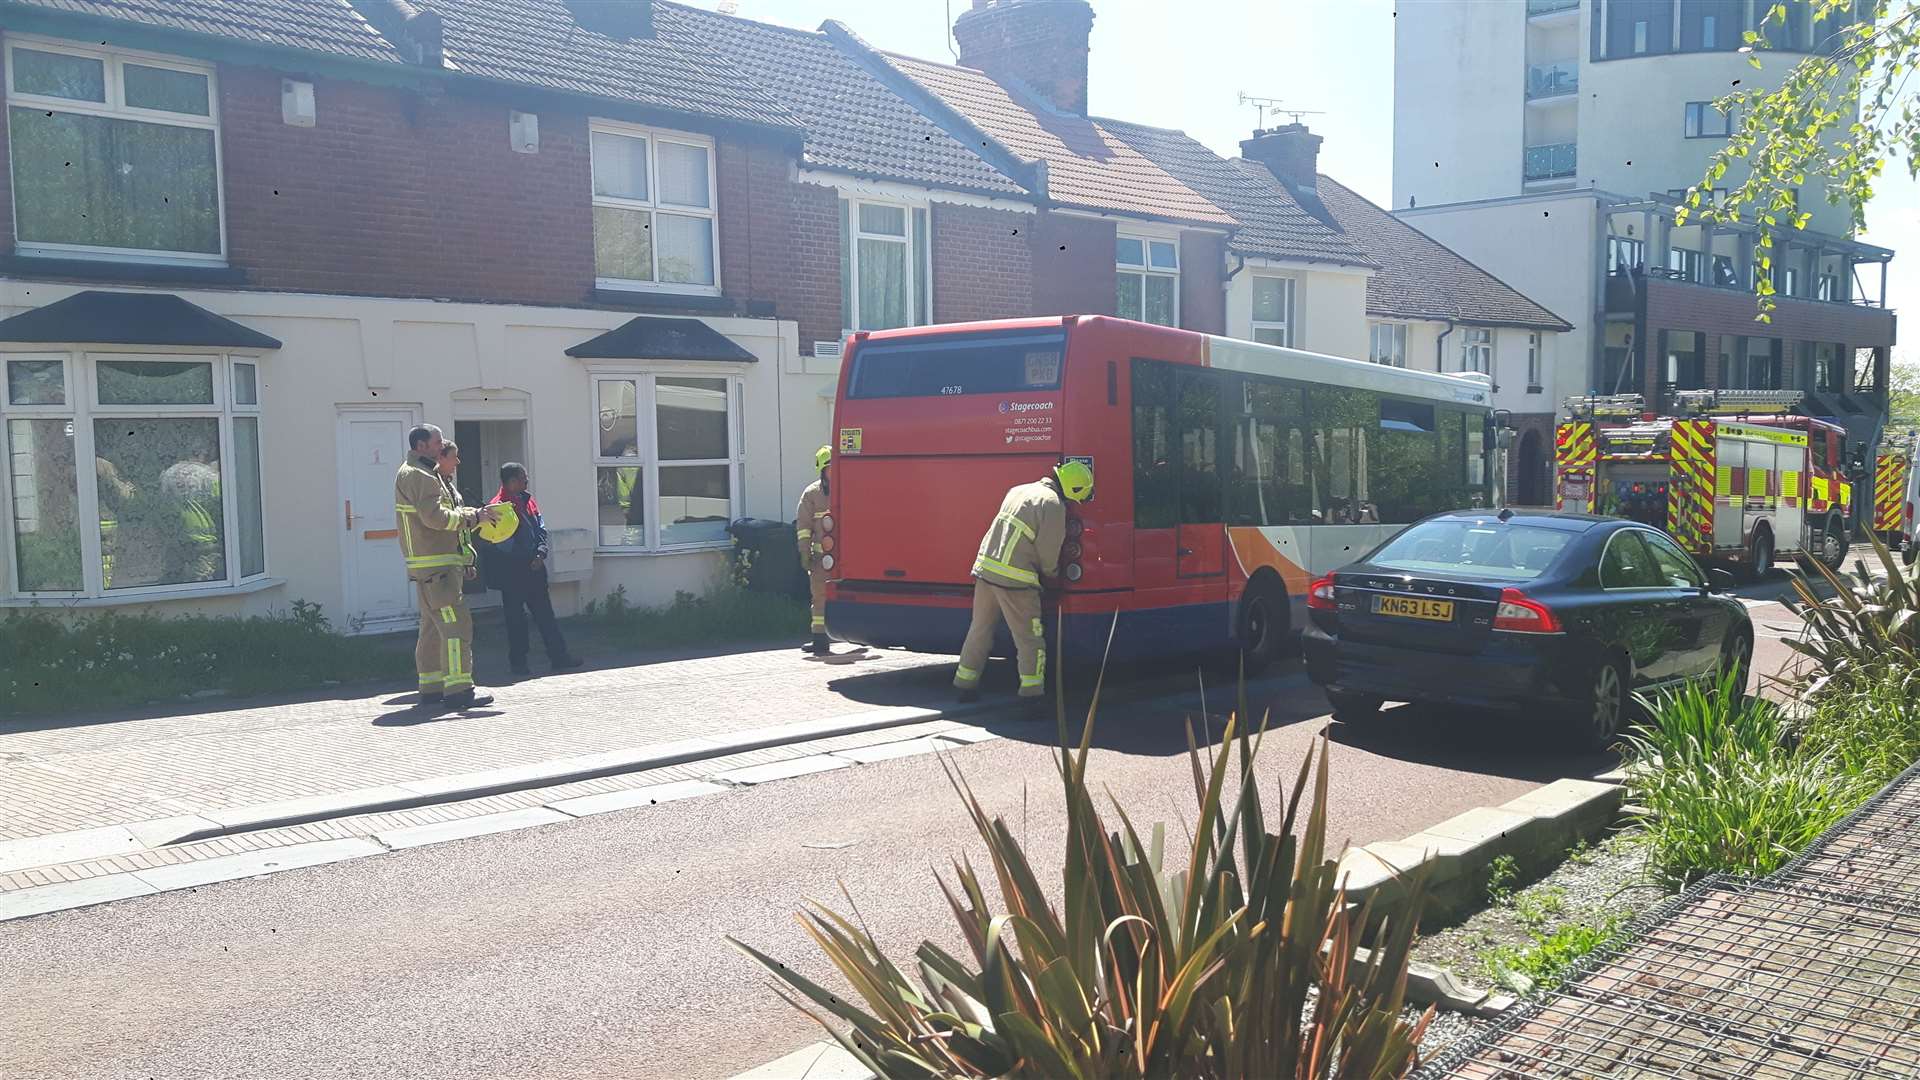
x: 1833, y: 545
x: 1759, y: 555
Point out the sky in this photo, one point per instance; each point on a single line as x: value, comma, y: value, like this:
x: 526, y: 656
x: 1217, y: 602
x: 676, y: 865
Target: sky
x: 1184, y: 64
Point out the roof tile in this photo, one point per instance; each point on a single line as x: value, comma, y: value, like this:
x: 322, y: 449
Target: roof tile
x: 328, y: 26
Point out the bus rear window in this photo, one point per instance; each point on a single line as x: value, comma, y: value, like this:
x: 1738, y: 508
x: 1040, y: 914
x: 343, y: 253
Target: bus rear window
x: 953, y: 364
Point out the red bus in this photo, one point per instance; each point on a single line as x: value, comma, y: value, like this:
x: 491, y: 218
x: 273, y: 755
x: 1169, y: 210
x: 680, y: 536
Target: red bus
x: 1227, y: 475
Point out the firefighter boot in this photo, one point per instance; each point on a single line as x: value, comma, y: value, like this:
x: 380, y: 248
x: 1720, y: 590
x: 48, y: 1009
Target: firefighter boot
x: 471, y: 698
x: 821, y: 645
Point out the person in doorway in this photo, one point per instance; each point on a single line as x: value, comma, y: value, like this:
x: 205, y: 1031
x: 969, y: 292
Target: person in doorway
x: 809, y: 530
x: 432, y: 540
x: 1019, y: 554
x: 517, y: 566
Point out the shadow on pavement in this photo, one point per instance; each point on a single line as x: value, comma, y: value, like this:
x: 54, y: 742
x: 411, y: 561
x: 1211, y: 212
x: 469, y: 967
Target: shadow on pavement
x: 1521, y: 746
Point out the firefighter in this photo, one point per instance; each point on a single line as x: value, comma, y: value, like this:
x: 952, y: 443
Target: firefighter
x: 433, y: 541
x: 1020, y: 551
x: 808, y: 530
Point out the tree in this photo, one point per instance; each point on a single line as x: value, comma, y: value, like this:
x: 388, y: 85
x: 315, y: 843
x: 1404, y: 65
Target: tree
x: 1903, y: 399
x: 1841, y: 116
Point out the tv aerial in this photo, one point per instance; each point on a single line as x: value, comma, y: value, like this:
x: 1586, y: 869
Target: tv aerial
x: 1277, y: 106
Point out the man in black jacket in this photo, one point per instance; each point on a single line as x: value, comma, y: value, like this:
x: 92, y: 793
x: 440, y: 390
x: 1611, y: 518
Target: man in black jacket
x: 517, y: 566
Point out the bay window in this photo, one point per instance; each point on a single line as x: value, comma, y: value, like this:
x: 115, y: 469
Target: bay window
x: 1387, y: 343
x: 654, y: 210
x: 1273, y: 310
x: 885, y: 278
x: 669, y: 450
x: 1148, y: 280
x: 172, y: 498
x: 115, y: 155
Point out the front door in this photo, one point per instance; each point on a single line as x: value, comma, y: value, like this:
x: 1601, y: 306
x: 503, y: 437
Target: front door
x: 373, y: 443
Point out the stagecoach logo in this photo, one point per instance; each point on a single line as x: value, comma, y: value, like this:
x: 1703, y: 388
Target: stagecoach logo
x: 1025, y: 406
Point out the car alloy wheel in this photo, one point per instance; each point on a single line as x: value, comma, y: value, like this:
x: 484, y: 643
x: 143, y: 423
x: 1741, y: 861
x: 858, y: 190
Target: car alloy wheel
x: 1609, y: 700
x: 1737, y: 657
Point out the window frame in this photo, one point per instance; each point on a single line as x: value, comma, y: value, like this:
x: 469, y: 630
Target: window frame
x: 919, y: 258
x: 1600, y: 565
x: 1471, y: 345
x: 1694, y: 121
x: 653, y: 205
x: 113, y: 61
x: 83, y: 410
x: 1654, y: 541
x: 1145, y: 269
x: 1536, y: 361
x: 1287, y: 326
x: 1398, y: 335
x: 646, y: 405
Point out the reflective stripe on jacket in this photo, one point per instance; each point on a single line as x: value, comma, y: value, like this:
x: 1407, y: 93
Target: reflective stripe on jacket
x: 1023, y: 544
x: 431, y: 521
x: 806, y: 521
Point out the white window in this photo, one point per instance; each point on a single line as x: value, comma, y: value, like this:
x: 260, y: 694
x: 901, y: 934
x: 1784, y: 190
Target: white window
x: 1476, y: 350
x: 885, y: 279
x: 1387, y: 343
x: 654, y: 224
x: 1533, y: 363
x: 668, y: 455
x: 1709, y: 32
x: 1704, y: 121
x: 1685, y: 263
x: 1148, y: 281
x: 171, y: 499
x: 1639, y: 37
x: 115, y: 155
x: 1273, y: 310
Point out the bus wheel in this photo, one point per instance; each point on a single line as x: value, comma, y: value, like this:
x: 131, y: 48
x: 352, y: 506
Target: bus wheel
x: 1833, y: 544
x: 1262, y: 629
x: 1760, y: 555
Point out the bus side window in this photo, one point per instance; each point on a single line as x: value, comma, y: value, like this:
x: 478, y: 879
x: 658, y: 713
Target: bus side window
x: 1343, y: 425
x: 1200, y: 394
x: 1155, y: 486
x: 1267, y: 467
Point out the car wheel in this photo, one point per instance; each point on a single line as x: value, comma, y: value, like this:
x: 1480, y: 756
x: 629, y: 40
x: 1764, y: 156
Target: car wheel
x: 1912, y: 552
x: 1608, y: 704
x: 1759, y: 555
x: 1262, y: 632
x: 1354, y: 709
x: 1736, y: 656
x: 1833, y: 545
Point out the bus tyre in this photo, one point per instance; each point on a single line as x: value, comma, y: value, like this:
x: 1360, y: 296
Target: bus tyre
x: 1355, y: 710
x: 1262, y: 629
x: 1759, y: 555
x: 1833, y: 544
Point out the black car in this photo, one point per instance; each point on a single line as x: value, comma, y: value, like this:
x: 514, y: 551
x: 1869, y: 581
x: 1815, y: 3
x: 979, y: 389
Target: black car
x: 1565, y: 615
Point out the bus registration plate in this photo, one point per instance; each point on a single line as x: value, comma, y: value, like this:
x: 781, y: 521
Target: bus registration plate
x: 1413, y: 607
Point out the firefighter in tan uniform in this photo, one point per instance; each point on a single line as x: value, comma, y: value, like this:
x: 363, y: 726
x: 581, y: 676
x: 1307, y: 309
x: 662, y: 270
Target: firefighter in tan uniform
x: 1021, y: 548
x: 432, y: 539
x: 809, y: 529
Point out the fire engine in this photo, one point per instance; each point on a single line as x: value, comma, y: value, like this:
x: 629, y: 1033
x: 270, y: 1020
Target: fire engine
x: 1896, y: 490
x: 1735, y: 476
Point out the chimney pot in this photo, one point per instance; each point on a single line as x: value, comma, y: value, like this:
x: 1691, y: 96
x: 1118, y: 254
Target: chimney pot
x: 1290, y: 152
x: 1040, y: 43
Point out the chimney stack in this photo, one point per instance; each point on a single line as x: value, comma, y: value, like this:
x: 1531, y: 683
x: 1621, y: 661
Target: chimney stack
x: 1290, y: 152
x: 614, y: 18
x: 1041, y: 43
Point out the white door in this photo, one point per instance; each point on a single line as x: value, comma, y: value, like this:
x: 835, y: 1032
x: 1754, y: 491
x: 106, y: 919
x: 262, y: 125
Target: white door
x: 373, y: 443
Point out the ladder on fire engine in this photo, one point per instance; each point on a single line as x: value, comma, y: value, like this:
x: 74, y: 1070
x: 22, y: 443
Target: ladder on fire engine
x: 1605, y: 407
x: 1736, y: 402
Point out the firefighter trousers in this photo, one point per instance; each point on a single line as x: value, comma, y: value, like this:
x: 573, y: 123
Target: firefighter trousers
x: 1021, y: 610
x: 444, y: 654
x: 817, y: 592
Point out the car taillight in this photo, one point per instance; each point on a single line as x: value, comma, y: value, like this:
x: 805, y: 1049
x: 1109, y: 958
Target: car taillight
x: 1523, y: 615
x: 1320, y: 594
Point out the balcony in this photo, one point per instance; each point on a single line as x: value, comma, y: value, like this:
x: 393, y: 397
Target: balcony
x: 1554, y: 161
x: 1552, y: 80
x: 1550, y: 7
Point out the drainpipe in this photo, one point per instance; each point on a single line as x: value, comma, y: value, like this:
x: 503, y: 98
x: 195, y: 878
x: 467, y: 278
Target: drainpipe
x: 1440, y: 349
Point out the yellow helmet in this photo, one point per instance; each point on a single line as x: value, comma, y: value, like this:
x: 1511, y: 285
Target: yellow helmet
x: 822, y: 456
x: 1076, y: 480
x: 501, y: 529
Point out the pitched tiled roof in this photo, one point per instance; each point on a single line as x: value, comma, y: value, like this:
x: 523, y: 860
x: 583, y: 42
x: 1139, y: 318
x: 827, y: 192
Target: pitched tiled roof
x: 537, y: 42
x: 1273, y: 224
x: 328, y: 26
x: 1421, y: 278
x: 853, y: 122
x: 1087, y: 166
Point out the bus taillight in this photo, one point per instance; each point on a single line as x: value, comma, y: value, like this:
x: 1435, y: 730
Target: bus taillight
x: 826, y: 543
x: 826, y: 523
x: 1073, y: 572
x: 826, y: 562
x: 1075, y: 528
x: 1072, y: 550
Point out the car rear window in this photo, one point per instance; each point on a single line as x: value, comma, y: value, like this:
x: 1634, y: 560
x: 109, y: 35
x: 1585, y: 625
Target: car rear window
x: 1484, y: 549
x: 953, y: 364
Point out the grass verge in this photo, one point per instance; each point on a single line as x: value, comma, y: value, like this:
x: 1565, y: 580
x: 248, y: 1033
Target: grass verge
x: 725, y: 614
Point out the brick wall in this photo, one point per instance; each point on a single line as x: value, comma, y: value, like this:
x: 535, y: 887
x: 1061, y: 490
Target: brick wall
x: 809, y: 290
x: 982, y: 263
x: 1203, y: 300
x: 1072, y: 264
x: 1684, y: 306
x: 1042, y: 43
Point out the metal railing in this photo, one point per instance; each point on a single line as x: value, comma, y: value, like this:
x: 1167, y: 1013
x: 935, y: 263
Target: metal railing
x: 1548, y: 7
x: 1549, y: 162
x: 1552, y: 80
